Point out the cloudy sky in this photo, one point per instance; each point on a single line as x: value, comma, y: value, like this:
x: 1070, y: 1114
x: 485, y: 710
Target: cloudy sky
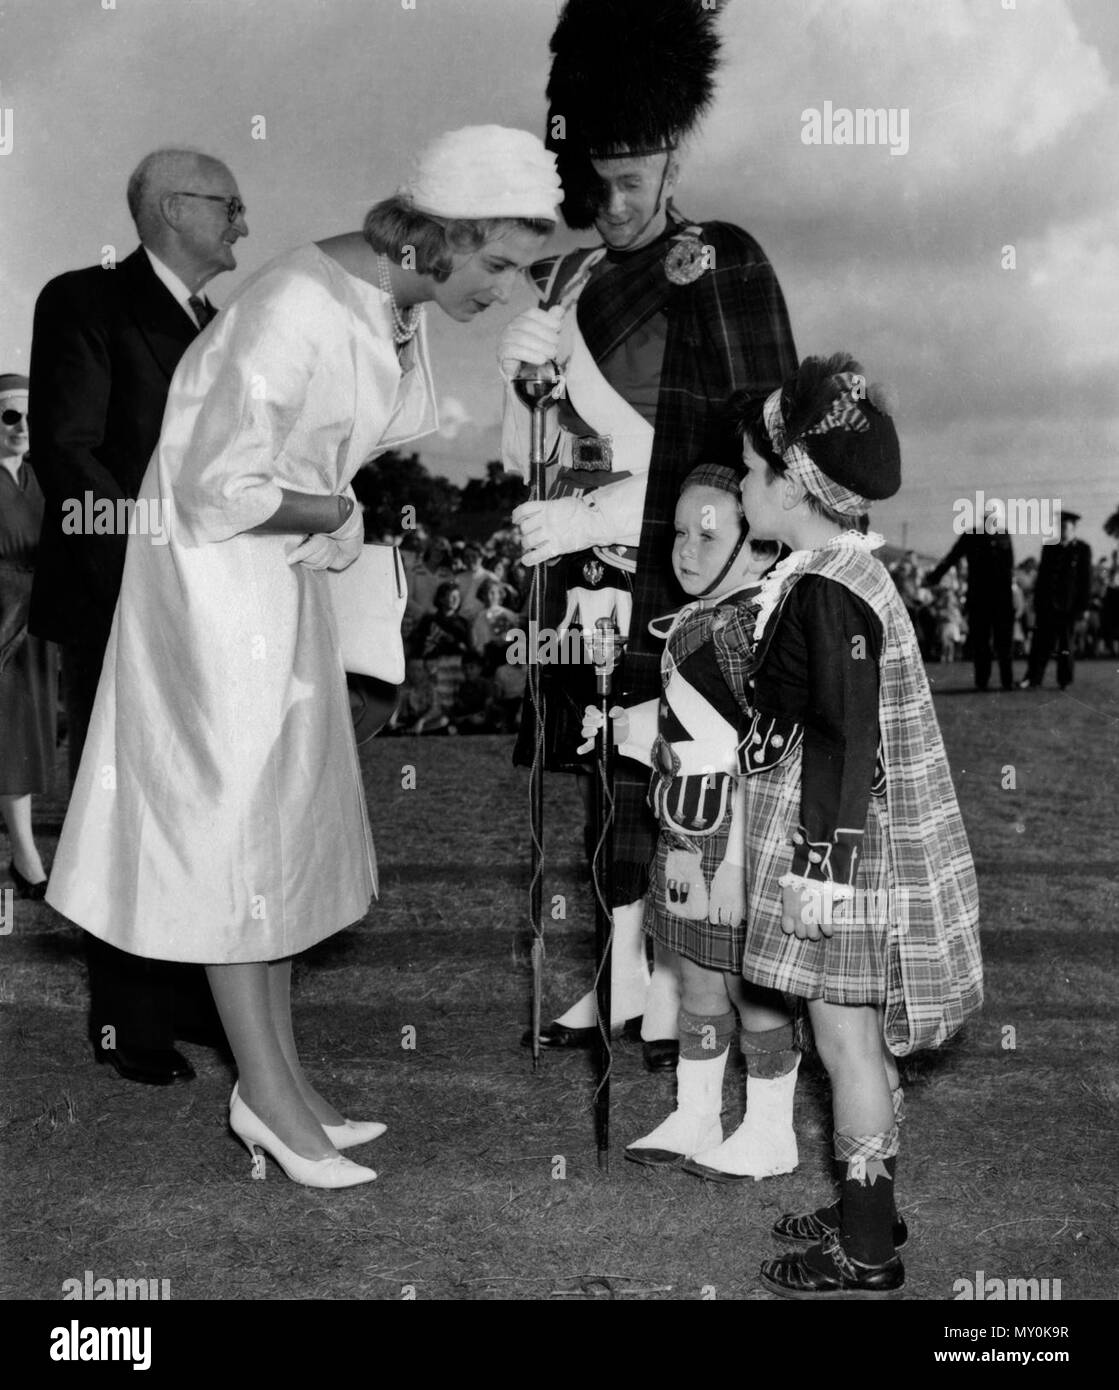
x: 1007, y: 378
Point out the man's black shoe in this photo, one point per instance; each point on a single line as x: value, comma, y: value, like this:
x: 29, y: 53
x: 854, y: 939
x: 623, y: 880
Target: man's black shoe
x: 151, y: 1066
x: 558, y: 1035
x: 660, y: 1054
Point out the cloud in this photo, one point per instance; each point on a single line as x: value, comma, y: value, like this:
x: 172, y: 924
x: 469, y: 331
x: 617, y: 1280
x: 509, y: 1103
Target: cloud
x: 452, y: 416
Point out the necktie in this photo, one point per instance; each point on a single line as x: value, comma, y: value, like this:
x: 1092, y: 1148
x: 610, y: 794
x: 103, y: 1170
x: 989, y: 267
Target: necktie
x: 202, y: 309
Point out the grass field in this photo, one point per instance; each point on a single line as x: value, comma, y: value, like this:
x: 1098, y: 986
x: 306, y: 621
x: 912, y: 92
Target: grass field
x: 488, y: 1184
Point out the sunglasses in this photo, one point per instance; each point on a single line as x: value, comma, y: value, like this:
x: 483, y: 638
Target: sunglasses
x: 13, y: 417
x: 234, y: 207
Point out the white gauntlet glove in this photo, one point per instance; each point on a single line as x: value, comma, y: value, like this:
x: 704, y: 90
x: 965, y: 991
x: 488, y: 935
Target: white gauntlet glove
x: 333, y: 550
x: 593, y: 722
x: 536, y: 336
x: 559, y: 527
x: 610, y: 515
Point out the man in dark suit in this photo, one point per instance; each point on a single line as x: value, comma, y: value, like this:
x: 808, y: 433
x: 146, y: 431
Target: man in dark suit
x: 1061, y: 597
x: 989, y: 553
x: 105, y: 344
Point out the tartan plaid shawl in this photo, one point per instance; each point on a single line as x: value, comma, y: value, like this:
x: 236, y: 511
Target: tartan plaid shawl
x: 930, y: 871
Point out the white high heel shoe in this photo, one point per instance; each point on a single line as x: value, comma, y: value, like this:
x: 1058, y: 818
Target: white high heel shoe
x: 333, y: 1172
x: 348, y: 1135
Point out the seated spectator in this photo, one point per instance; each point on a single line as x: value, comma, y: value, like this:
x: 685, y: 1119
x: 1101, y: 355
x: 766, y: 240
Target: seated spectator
x: 443, y: 637
x: 509, y: 682
x: 500, y: 570
x: 470, y: 580
x: 474, y: 711
x: 418, y: 707
x: 493, y: 619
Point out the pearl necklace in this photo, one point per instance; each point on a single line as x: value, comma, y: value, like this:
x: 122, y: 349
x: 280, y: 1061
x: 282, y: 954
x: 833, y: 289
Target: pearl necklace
x: 404, y: 326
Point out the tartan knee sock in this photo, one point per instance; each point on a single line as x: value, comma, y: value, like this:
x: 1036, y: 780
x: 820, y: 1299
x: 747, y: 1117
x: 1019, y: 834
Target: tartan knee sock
x: 867, y: 1211
x: 705, y: 1037
x: 829, y: 1215
x: 769, y: 1053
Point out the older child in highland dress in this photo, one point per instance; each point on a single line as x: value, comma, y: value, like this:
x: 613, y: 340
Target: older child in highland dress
x: 861, y: 894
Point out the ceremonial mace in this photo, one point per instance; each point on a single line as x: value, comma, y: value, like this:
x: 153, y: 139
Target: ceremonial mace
x: 605, y: 649
x: 535, y: 385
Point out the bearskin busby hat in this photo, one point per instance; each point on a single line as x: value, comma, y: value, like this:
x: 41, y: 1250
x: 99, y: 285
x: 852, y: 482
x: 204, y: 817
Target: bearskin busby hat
x: 628, y: 77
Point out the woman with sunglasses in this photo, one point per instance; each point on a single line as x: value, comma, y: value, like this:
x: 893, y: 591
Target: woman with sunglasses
x: 219, y: 814
x: 28, y: 665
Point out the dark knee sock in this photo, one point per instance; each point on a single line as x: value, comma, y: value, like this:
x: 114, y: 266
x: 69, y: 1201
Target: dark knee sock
x: 770, y: 1053
x: 867, y: 1211
x: 829, y: 1215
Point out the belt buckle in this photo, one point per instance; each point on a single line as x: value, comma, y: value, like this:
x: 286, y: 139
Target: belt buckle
x: 591, y: 453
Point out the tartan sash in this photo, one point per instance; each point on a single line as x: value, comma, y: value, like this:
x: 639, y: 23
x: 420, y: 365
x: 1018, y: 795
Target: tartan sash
x: 615, y: 305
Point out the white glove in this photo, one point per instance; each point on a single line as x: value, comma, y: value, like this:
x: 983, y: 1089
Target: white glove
x: 535, y: 337
x: 333, y: 550
x: 560, y: 527
x: 592, y: 724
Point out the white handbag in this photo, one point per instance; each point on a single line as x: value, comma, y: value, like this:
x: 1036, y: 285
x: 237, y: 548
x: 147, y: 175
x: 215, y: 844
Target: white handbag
x: 369, y: 598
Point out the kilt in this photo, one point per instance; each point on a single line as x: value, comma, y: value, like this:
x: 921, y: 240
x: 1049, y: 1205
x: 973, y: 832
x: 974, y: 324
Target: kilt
x: 713, y: 945
x: 860, y: 963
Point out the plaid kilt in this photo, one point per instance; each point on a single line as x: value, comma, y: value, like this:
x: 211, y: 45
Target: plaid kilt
x: 858, y: 963
x: 929, y: 971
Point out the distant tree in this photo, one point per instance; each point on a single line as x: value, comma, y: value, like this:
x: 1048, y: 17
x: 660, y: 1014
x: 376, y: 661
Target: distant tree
x: 1111, y: 525
x: 399, y: 493
x: 498, y: 491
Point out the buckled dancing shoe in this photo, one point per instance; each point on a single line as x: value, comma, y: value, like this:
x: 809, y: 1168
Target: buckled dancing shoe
x: 827, y: 1271
x: 812, y: 1227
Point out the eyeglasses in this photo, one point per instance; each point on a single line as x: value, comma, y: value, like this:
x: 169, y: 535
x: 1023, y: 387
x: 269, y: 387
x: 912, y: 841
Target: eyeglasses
x: 13, y: 417
x: 234, y: 207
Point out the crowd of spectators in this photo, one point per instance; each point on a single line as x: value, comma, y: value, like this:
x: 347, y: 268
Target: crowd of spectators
x: 464, y: 601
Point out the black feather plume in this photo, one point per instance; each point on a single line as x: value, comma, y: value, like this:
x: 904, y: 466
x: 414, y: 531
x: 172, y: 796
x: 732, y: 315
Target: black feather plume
x: 630, y: 76
x: 808, y: 398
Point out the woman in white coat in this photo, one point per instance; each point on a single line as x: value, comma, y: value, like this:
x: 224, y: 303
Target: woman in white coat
x: 218, y: 815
